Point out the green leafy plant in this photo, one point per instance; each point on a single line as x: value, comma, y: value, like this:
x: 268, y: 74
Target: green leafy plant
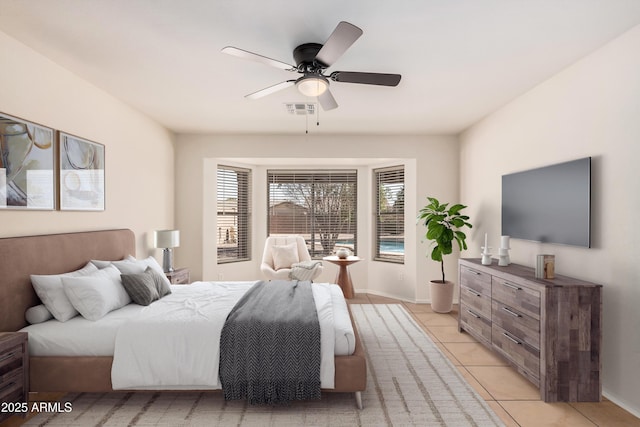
x: 443, y: 227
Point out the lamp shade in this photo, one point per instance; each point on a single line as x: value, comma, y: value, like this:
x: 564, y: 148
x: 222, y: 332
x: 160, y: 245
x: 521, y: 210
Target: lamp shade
x: 312, y: 85
x: 167, y: 238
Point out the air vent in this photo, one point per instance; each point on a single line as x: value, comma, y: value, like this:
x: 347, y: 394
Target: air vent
x: 300, y: 108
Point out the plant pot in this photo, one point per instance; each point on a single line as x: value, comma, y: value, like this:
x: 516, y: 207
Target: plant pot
x: 441, y: 296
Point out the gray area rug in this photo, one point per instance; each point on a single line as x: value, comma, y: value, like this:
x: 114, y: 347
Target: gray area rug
x: 410, y: 383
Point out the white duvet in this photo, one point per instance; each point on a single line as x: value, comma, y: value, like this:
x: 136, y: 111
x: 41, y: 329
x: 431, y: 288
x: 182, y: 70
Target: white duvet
x: 174, y: 342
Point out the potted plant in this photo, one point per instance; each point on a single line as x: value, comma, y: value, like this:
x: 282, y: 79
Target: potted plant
x: 444, y: 225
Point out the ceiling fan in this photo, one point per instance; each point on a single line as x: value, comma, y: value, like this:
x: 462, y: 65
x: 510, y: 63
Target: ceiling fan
x: 312, y: 59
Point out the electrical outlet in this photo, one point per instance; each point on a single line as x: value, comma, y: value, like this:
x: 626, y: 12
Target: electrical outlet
x: 401, y: 276
x: 220, y: 276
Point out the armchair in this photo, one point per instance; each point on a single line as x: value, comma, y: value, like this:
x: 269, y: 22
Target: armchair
x: 280, y: 253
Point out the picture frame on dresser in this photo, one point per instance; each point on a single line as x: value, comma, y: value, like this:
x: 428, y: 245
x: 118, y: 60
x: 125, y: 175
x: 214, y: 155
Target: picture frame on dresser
x: 81, y: 174
x: 27, y: 165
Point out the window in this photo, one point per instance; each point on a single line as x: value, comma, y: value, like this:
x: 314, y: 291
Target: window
x: 234, y: 214
x: 319, y: 205
x: 389, y: 211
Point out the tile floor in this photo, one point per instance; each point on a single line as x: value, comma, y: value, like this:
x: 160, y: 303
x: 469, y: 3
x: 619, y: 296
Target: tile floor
x: 515, y: 400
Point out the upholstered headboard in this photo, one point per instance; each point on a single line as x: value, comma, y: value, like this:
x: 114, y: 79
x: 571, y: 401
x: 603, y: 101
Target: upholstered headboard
x: 50, y: 254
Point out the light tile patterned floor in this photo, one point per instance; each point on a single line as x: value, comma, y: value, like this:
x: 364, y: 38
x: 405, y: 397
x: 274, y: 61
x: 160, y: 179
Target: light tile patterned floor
x: 515, y: 400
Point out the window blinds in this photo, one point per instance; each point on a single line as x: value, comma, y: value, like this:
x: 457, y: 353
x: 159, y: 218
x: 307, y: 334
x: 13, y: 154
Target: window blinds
x: 233, y: 214
x: 320, y: 205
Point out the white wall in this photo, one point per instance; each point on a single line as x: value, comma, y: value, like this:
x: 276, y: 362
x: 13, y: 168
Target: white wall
x: 139, y: 153
x: 431, y: 168
x: 590, y: 109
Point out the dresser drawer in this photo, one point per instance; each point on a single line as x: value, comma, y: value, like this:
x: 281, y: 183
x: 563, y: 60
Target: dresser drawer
x: 516, y: 323
x: 472, y: 322
x: 480, y: 303
x: 475, y: 280
x: 10, y: 357
x: 525, y: 357
x: 517, y: 296
x: 12, y: 387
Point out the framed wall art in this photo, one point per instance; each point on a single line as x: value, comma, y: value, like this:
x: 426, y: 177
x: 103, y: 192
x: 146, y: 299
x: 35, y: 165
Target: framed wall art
x: 81, y: 174
x: 27, y: 161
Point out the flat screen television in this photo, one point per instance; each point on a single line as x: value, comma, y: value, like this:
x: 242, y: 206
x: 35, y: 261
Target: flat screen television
x: 551, y: 204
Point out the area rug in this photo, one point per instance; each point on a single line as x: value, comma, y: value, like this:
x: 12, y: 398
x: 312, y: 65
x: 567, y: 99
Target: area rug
x: 410, y: 383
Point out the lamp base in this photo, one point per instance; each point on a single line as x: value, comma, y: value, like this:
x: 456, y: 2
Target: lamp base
x: 167, y: 260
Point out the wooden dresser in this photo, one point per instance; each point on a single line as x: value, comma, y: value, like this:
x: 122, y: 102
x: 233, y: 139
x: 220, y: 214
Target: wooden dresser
x: 14, y: 373
x: 548, y: 329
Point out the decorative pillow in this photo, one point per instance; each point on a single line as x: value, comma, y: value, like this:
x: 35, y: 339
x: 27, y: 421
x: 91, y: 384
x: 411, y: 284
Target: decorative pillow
x: 97, y: 294
x: 134, y: 266
x: 160, y: 280
x: 140, y: 287
x: 305, y: 270
x: 51, y: 292
x: 37, y: 314
x: 284, y: 256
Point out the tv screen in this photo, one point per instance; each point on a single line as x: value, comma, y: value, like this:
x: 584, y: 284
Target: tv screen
x: 551, y: 204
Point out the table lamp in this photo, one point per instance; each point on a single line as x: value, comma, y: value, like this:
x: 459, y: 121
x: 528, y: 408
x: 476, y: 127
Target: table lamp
x: 167, y: 240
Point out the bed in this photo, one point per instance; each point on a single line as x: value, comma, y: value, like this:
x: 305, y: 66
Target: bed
x: 59, y: 253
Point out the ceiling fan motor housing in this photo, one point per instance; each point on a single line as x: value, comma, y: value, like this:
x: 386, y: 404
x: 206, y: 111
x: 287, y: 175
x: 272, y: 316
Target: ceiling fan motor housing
x: 305, y: 57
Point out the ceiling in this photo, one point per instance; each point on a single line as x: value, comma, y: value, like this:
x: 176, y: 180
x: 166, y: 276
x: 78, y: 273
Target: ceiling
x: 459, y: 59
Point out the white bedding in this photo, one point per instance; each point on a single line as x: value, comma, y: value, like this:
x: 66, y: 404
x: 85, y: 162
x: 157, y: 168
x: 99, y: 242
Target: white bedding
x: 81, y: 337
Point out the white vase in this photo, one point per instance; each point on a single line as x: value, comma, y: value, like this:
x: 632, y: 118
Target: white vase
x: 342, y: 253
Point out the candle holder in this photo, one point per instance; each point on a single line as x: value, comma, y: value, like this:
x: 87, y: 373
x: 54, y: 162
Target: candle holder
x: 486, y: 255
x: 503, y: 252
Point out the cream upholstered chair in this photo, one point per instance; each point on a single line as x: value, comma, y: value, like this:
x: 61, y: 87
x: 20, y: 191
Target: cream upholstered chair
x: 282, y: 252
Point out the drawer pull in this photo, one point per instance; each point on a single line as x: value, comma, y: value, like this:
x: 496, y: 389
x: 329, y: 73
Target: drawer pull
x: 7, y: 386
x: 472, y: 292
x: 510, y: 338
x: 509, y: 285
x: 513, y: 313
x: 7, y: 356
x: 473, y: 314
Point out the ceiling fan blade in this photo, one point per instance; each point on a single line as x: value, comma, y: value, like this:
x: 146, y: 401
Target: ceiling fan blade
x: 271, y: 89
x: 338, y: 42
x: 230, y: 50
x: 327, y: 101
x: 379, y: 79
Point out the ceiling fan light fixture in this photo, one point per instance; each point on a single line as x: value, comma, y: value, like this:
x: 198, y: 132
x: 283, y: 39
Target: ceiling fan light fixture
x: 312, y: 85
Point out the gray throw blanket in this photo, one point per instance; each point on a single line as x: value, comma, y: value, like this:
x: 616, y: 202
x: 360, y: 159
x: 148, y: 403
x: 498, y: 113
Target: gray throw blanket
x: 270, y: 345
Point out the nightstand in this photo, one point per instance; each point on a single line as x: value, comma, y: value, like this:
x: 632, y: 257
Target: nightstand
x: 14, y: 374
x: 179, y: 276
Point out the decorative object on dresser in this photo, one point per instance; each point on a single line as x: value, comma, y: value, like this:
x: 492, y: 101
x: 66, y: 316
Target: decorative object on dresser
x: 14, y: 373
x: 179, y: 276
x: 443, y: 227
x: 167, y: 240
x: 545, y: 266
x: 549, y: 330
x: 503, y: 252
x: 486, y: 251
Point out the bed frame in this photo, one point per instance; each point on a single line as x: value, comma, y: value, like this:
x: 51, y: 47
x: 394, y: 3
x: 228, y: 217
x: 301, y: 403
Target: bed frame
x: 60, y: 253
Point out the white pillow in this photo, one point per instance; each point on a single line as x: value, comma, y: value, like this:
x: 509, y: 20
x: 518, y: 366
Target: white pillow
x: 284, y: 256
x: 37, y: 314
x: 97, y: 294
x: 135, y: 266
x: 102, y: 263
x: 50, y: 291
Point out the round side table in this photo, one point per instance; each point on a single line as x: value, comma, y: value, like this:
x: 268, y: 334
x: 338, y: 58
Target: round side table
x: 343, y: 279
